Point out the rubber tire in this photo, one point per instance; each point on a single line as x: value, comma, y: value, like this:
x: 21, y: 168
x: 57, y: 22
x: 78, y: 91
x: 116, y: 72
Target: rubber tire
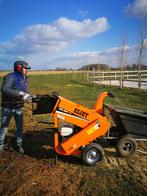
x: 123, y: 142
x: 95, y: 148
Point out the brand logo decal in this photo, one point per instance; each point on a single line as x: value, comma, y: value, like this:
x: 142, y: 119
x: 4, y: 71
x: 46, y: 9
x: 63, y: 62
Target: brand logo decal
x: 80, y: 112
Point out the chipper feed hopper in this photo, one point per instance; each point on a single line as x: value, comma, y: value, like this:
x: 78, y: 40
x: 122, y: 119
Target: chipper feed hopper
x: 76, y: 127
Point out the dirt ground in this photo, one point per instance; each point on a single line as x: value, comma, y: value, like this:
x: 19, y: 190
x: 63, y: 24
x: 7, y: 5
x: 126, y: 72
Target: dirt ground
x: 37, y: 173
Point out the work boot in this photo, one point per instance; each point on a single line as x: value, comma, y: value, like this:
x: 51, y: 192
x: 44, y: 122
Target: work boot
x: 20, y: 149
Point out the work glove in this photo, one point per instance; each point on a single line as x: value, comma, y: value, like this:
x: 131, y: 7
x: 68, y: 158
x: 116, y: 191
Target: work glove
x: 26, y: 96
x: 21, y: 93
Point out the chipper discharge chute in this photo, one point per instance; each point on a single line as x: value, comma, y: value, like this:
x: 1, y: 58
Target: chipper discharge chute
x: 76, y: 127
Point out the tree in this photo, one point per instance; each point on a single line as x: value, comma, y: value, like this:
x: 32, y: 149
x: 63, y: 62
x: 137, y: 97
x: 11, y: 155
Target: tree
x: 141, y: 50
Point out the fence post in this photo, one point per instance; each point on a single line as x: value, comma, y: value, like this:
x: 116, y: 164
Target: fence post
x: 87, y: 76
x: 93, y: 75
x: 110, y: 77
x: 139, y: 79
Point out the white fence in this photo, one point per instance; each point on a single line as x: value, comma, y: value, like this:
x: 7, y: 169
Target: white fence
x: 121, y: 78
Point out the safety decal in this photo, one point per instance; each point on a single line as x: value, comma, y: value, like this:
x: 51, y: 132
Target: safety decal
x: 92, y: 129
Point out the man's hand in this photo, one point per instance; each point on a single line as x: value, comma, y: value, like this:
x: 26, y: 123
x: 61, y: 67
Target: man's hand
x: 21, y: 93
x: 26, y: 96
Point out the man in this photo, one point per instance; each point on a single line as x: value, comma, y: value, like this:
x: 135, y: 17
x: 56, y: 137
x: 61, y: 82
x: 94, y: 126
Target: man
x: 14, y: 91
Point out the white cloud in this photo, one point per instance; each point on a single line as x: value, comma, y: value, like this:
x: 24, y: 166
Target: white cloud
x: 74, y: 30
x: 74, y: 60
x: 110, y: 56
x: 42, y: 45
x: 48, y: 39
x: 137, y: 8
x: 116, y: 50
x: 53, y: 37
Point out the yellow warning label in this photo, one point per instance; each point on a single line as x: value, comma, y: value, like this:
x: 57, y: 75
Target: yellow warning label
x: 92, y: 129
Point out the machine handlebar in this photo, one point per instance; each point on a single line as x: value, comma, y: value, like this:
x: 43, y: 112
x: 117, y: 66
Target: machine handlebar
x: 55, y: 94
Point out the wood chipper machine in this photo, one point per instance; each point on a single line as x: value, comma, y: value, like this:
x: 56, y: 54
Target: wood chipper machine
x: 76, y: 127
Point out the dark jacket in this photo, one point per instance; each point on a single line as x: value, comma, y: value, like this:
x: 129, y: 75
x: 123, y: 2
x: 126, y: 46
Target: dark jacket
x: 12, y: 84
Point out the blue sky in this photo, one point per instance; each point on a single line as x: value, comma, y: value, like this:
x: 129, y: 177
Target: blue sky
x: 70, y: 33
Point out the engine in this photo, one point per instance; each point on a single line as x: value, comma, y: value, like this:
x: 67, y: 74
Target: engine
x: 66, y: 130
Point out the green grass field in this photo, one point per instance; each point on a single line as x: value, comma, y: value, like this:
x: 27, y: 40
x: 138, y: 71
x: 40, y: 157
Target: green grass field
x: 75, y: 88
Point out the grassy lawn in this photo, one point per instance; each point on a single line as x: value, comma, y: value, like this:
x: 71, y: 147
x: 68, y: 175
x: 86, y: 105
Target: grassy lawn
x: 75, y: 88
x: 78, y: 90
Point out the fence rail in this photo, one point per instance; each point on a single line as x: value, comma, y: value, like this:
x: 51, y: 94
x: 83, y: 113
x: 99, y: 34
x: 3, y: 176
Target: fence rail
x: 101, y: 77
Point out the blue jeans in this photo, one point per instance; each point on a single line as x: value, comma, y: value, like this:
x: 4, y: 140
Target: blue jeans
x: 6, y: 115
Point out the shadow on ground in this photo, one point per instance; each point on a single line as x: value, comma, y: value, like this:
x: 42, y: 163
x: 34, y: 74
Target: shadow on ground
x: 39, y: 144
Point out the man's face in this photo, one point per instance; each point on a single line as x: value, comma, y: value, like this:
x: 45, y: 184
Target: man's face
x: 24, y: 71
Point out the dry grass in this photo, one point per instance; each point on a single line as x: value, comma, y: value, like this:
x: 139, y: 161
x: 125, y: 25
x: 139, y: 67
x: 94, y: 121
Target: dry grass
x: 42, y: 72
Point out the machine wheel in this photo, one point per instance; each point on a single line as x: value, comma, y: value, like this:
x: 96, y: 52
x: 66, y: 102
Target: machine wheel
x: 126, y: 146
x: 92, y: 154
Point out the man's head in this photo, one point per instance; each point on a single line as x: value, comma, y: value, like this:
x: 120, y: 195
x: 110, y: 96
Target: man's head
x: 21, y: 66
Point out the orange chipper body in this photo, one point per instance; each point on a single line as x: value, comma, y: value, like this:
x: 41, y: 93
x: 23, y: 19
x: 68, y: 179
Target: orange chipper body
x: 91, y: 123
